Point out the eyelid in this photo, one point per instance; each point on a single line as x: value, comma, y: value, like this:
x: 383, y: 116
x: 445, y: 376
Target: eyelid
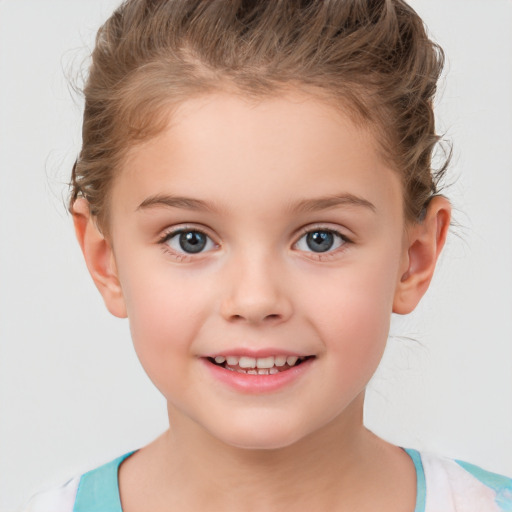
x: 171, y: 232
x: 323, y: 227
x: 174, y: 230
x: 329, y: 253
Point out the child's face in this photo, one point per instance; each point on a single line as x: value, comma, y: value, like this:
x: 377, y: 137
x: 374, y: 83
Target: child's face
x: 210, y: 223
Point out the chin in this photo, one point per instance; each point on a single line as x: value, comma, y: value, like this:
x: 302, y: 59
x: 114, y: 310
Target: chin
x: 269, y: 437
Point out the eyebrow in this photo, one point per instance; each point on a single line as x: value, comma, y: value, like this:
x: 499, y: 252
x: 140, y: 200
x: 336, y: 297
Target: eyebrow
x: 176, y: 202
x: 324, y: 203
x: 303, y: 206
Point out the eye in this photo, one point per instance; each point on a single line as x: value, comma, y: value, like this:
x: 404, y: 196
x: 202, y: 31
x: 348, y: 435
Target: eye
x: 321, y: 240
x: 189, y: 241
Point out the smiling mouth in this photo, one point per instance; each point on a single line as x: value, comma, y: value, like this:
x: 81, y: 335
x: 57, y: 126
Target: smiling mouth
x: 258, y: 366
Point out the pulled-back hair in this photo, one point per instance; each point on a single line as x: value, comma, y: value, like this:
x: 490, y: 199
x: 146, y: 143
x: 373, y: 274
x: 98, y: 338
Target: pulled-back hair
x: 373, y: 58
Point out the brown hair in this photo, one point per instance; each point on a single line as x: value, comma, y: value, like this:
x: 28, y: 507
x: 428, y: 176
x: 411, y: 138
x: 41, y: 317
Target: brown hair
x: 370, y: 56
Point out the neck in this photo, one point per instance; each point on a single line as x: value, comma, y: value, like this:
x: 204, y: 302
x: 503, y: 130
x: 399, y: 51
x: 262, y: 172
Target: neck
x: 316, y: 469
x: 341, y: 466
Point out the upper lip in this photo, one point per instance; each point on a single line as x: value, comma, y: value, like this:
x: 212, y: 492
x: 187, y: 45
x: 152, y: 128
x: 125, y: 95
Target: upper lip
x: 256, y: 353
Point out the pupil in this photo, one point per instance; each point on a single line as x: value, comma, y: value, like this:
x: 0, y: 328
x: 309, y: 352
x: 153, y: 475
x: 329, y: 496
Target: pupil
x: 192, y: 241
x: 320, y: 241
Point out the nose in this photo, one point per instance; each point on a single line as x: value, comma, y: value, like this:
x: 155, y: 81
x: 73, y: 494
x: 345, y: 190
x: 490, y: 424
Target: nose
x: 256, y: 292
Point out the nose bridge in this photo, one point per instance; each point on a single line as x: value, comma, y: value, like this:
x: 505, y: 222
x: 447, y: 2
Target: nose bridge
x: 256, y: 291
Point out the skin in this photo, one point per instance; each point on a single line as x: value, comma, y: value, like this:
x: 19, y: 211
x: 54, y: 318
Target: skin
x: 268, y: 172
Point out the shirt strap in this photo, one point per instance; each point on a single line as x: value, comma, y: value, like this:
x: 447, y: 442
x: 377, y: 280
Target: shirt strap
x: 421, y: 489
x: 99, y: 489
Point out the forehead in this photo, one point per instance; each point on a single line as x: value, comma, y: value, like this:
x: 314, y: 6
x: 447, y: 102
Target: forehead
x: 237, y: 150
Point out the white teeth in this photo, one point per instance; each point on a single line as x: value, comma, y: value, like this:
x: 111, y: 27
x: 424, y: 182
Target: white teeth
x: 247, y: 362
x: 263, y: 371
x: 291, y: 360
x: 265, y: 362
x: 252, y: 372
x: 273, y: 371
x: 280, y: 360
x: 260, y: 363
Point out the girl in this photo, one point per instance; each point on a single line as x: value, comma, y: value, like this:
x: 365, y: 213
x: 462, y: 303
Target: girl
x: 255, y: 194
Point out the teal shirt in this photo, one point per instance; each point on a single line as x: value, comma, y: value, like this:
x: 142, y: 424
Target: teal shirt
x: 98, y: 490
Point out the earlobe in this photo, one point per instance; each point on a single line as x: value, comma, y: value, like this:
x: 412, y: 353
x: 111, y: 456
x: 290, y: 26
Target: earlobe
x: 425, y: 242
x: 99, y: 258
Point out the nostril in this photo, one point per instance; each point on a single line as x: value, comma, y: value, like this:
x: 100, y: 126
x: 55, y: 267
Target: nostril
x: 255, y: 309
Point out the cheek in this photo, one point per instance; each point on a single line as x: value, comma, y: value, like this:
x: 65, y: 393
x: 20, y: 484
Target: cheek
x: 164, y: 320
x: 353, y: 309
x: 354, y: 343
x: 357, y: 323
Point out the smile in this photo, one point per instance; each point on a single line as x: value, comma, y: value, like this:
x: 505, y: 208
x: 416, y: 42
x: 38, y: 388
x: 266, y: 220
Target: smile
x: 270, y: 365
x: 259, y: 373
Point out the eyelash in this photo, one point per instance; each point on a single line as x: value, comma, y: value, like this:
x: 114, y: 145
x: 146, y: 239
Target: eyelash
x: 182, y: 256
x: 330, y: 253
x: 343, y: 241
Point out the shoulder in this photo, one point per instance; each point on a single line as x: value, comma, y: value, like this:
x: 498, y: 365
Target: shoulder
x: 466, y: 487
x: 60, y: 499
x: 96, y: 490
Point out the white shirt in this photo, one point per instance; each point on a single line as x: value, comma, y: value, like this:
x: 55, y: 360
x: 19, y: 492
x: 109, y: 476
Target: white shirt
x: 443, y: 485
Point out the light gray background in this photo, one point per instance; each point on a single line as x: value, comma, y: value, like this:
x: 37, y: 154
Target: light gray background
x: 72, y: 394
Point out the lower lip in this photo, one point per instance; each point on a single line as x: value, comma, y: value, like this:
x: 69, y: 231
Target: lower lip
x: 256, y: 384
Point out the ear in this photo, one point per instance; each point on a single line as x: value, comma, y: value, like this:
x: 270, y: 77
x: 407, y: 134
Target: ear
x: 99, y: 258
x: 425, y: 241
